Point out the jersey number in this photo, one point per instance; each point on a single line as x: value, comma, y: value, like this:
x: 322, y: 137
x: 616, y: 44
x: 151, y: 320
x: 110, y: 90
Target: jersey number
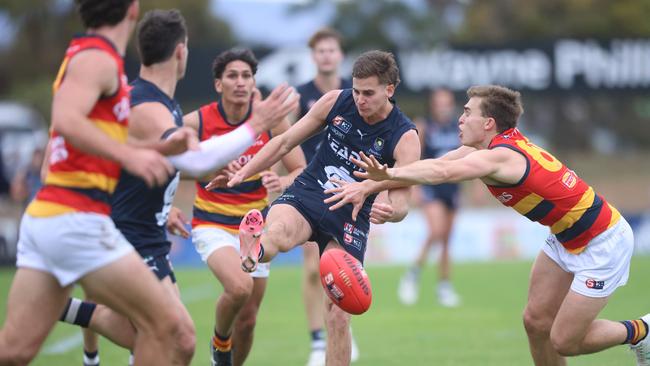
x: 546, y: 160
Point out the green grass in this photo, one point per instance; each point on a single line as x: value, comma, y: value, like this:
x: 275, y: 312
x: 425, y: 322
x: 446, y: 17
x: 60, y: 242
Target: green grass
x: 485, y: 330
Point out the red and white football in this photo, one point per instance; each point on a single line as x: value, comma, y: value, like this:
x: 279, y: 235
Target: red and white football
x: 345, y: 281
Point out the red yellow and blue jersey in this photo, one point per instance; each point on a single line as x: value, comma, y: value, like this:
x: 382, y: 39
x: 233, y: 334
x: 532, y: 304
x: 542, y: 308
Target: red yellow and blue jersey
x: 225, y: 207
x: 77, y: 181
x: 553, y: 195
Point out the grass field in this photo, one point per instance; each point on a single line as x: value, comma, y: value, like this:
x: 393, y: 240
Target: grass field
x: 485, y: 330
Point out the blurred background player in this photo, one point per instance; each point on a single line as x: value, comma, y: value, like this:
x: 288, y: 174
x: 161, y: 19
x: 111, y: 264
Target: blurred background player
x: 439, y: 135
x: 327, y: 55
x: 218, y: 212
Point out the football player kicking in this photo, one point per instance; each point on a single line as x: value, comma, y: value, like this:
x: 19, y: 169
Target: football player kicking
x: 363, y: 118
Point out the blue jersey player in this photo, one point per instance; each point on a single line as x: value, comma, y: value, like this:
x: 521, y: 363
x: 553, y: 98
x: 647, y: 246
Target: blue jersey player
x: 363, y: 118
x: 439, y: 134
x: 327, y: 55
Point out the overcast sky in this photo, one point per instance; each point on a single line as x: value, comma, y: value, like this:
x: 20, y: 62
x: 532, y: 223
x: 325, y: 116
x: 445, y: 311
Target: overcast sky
x: 271, y: 22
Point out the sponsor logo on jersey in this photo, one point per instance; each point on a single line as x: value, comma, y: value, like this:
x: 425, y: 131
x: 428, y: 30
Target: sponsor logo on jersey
x: 504, y: 197
x: 340, y: 123
x: 348, y: 228
x: 569, y: 179
x: 594, y: 284
x: 347, y: 238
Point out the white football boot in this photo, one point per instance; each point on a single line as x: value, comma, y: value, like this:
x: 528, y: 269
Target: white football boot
x: 642, y: 349
x: 447, y: 296
x: 316, y: 357
x: 408, y: 289
x: 354, y: 351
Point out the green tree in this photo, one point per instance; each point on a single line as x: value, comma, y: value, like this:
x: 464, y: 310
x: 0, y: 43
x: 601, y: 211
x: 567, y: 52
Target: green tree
x: 44, y: 28
x: 523, y: 20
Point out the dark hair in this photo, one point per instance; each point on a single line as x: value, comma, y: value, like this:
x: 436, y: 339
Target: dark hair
x: 325, y: 33
x: 500, y: 103
x: 159, y: 32
x: 233, y: 54
x: 377, y: 63
x: 98, y: 13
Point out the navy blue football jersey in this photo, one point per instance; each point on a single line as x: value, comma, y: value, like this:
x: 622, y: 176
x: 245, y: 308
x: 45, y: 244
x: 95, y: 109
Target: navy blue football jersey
x: 440, y: 138
x: 138, y: 211
x: 347, y: 134
x: 309, y: 94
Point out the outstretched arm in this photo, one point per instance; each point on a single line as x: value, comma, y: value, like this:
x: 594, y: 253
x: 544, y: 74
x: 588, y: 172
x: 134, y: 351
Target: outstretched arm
x: 500, y: 164
x: 279, y: 146
x: 217, y: 152
x: 406, y: 151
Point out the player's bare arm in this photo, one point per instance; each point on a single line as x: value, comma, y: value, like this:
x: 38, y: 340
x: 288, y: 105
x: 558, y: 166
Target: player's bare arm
x: 294, y: 162
x: 90, y: 75
x: 147, y: 124
x: 458, y: 153
x: 307, y: 126
x: 496, y: 166
x: 406, y: 151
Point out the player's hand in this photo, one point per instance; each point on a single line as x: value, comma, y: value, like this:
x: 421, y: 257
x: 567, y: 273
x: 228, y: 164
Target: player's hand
x: 272, y: 110
x: 224, y: 175
x: 149, y: 165
x: 347, y: 192
x: 177, y: 223
x: 181, y: 140
x: 271, y: 180
x: 374, y: 170
x: 381, y: 213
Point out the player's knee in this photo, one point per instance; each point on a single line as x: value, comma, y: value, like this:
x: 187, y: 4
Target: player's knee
x: 536, y: 323
x: 19, y: 356
x: 240, y: 289
x: 564, y: 346
x: 276, y: 237
x: 186, y: 340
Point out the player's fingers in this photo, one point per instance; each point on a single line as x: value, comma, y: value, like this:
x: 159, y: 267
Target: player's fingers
x: 355, y: 210
x: 338, y: 205
x: 334, y: 198
x: 359, y: 174
x: 360, y: 163
x: 339, y: 182
x: 333, y: 190
x: 256, y: 96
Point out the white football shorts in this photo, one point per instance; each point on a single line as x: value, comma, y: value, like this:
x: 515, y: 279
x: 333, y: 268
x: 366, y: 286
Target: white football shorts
x: 69, y: 246
x: 208, y: 239
x: 603, y: 266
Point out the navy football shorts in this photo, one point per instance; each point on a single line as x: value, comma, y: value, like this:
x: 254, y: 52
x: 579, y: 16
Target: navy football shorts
x: 325, y: 224
x: 161, y: 266
x: 447, y: 193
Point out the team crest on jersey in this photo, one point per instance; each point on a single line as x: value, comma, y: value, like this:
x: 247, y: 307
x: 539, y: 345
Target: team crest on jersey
x: 340, y: 123
x: 379, y: 144
x: 348, y: 228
